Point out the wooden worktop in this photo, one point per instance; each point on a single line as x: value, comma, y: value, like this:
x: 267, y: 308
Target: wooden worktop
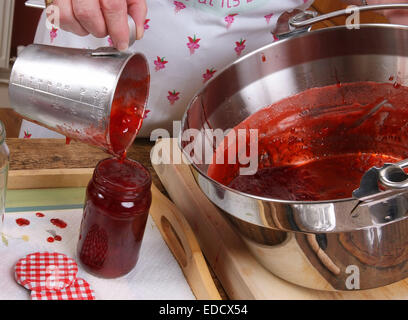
x: 56, y: 154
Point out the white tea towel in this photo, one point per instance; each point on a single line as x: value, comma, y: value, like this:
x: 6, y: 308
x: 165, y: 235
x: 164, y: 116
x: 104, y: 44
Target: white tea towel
x: 157, y: 274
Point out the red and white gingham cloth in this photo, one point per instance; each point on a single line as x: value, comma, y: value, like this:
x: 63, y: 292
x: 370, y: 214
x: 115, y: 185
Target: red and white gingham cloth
x: 44, y: 271
x: 79, y: 290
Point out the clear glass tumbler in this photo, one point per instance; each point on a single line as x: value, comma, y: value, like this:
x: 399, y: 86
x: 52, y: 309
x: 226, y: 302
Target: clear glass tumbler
x: 4, y: 164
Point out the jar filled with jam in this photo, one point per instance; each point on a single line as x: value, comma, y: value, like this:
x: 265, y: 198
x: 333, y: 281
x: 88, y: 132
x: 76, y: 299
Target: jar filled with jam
x: 117, y: 203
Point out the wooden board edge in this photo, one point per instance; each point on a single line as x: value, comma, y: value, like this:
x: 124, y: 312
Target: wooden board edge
x: 49, y: 178
x: 182, y: 242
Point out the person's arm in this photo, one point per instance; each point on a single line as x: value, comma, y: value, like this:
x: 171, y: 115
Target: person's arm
x: 103, y: 17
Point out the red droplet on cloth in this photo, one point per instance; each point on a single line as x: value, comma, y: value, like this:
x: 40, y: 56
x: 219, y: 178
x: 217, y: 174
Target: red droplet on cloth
x: 39, y: 214
x: 79, y: 290
x: 50, y: 239
x: 59, y: 223
x: 22, y: 222
x: 58, y: 238
x: 44, y: 271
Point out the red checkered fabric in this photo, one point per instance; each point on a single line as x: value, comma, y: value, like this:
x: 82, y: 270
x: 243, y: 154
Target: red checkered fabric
x: 79, y: 290
x: 44, y: 271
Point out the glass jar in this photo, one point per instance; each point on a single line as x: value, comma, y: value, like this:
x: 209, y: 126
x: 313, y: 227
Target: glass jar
x: 4, y: 164
x: 117, y: 203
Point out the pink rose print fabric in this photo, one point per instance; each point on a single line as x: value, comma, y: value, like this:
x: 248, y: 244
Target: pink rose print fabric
x: 146, y: 24
x: 239, y: 47
x: 193, y: 44
x: 179, y: 6
x: 208, y: 74
x: 173, y: 96
x: 160, y: 63
x: 268, y: 17
x: 53, y: 34
x: 147, y: 111
x: 230, y: 19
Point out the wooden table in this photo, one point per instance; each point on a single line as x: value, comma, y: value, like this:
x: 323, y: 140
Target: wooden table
x: 56, y: 154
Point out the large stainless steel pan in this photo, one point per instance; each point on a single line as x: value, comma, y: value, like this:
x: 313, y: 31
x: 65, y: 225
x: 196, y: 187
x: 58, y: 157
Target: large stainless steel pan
x: 354, y: 243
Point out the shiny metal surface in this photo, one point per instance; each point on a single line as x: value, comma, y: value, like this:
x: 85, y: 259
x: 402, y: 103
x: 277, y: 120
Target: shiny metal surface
x: 302, y: 22
x: 71, y: 90
x: 4, y: 166
x: 329, y: 238
x: 37, y: 4
x: 298, y: 21
x: 393, y: 175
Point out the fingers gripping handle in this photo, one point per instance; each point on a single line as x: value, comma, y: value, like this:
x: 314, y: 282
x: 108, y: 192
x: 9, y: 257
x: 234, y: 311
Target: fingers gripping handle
x: 43, y: 4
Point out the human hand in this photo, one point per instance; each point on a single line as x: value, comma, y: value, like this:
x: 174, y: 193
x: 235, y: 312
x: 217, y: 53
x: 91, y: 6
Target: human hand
x: 102, y: 17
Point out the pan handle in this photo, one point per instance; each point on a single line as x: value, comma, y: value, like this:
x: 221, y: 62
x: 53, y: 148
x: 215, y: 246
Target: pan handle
x: 393, y: 175
x: 302, y: 21
x: 298, y: 20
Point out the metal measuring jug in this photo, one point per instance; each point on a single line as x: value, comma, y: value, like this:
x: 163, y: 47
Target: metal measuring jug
x: 72, y: 91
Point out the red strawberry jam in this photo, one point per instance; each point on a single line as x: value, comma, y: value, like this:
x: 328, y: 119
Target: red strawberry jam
x: 317, y: 144
x: 59, y: 223
x: 22, y: 222
x: 125, y: 119
x: 313, y: 180
x: 116, y: 209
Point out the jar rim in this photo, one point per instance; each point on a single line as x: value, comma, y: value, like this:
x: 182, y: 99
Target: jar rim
x: 118, y: 188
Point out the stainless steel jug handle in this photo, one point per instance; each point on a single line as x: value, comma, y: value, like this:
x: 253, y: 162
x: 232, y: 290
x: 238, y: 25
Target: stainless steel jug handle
x: 131, y: 23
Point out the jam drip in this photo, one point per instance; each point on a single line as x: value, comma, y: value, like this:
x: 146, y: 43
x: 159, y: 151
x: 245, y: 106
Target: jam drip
x: 126, y: 117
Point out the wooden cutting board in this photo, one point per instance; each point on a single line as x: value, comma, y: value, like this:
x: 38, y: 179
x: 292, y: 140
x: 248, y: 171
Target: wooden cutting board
x: 241, y: 275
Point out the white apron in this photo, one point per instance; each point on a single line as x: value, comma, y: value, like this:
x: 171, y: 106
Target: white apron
x: 186, y: 43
